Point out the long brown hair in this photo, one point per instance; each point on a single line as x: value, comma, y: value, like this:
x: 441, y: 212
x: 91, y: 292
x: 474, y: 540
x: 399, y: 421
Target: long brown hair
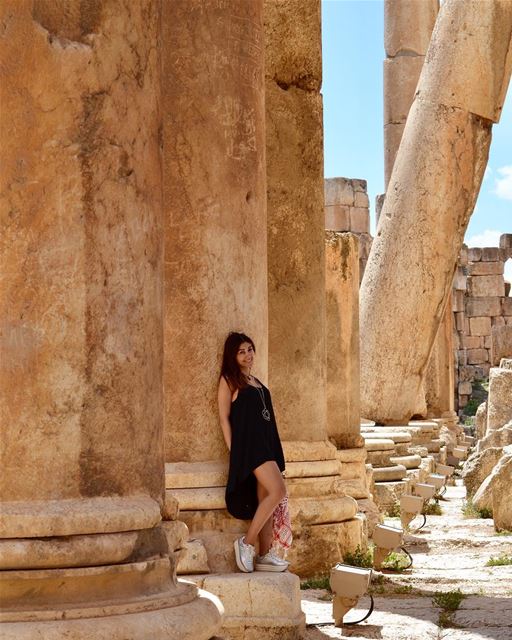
x: 230, y: 368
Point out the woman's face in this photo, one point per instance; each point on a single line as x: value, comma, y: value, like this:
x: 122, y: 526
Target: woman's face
x: 245, y: 356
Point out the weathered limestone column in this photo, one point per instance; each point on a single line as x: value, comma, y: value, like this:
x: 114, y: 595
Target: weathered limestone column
x: 342, y: 260
x: 431, y: 194
x: 408, y: 26
x: 342, y: 337
x: 82, y: 552
x: 215, y: 221
x: 323, y: 518
x: 440, y: 377
x: 215, y: 282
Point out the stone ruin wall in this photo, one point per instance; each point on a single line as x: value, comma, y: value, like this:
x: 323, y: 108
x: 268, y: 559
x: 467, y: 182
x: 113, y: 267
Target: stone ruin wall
x: 481, y: 306
x: 481, y: 299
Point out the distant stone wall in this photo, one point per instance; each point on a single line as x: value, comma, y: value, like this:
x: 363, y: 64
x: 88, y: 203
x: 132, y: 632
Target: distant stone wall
x: 347, y: 208
x: 481, y: 301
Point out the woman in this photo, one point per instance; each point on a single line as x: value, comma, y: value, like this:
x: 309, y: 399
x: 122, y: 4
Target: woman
x: 255, y: 482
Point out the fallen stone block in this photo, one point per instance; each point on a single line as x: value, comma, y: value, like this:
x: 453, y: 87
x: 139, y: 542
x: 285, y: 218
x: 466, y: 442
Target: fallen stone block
x: 501, y: 499
x: 478, y: 466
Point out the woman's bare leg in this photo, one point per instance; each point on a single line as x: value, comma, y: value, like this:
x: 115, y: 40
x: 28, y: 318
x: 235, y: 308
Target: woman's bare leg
x: 269, y: 476
x: 265, y: 535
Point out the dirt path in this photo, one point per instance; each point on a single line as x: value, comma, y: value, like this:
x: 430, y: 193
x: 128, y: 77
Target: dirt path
x: 449, y: 554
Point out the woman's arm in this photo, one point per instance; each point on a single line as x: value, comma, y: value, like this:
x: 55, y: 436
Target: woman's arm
x: 224, y: 400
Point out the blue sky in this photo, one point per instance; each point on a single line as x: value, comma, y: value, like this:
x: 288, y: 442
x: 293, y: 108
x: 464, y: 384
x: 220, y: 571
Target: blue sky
x: 353, y: 52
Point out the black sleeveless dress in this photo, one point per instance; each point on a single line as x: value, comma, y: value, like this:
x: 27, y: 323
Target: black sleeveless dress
x: 254, y: 441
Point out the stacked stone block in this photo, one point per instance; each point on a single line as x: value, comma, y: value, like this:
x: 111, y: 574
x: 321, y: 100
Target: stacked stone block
x: 347, y: 208
x: 482, y: 307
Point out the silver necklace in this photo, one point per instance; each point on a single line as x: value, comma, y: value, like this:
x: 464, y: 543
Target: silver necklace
x: 265, y: 412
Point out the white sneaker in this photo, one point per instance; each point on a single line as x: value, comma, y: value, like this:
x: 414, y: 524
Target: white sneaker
x: 244, y: 554
x: 270, y: 562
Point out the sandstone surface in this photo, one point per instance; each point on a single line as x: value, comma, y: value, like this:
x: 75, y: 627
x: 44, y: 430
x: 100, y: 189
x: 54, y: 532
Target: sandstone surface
x: 478, y: 466
x: 443, y: 114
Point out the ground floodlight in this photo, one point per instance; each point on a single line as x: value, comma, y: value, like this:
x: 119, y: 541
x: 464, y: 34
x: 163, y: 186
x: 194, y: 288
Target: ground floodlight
x: 445, y: 470
x: 426, y: 491
x: 348, y: 584
x: 410, y: 506
x: 438, y: 480
x: 461, y: 453
x: 386, y: 539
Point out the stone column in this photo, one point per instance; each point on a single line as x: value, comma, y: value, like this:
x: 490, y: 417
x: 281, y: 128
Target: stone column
x: 215, y: 244
x: 81, y: 546
x: 431, y: 194
x: 342, y: 337
x: 215, y: 220
x: 324, y: 524
x: 408, y: 26
x: 440, y: 378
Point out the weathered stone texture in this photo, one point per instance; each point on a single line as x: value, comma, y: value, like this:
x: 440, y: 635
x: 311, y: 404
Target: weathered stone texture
x: 347, y: 209
x: 342, y: 337
x: 501, y: 502
x: 409, y: 24
x: 296, y: 275
x: 501, y: 344
x: 483, y: 498
x: 82, y: 322
x: 214, y: 202
x: 81, y: 254
x: 440, y: 378
x: 484, y: 286
x: 407, y: 28
x: 444, y: 123
x: 499, y: 402
x: 478, y: 466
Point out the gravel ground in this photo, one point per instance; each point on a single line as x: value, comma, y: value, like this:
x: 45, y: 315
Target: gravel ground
x: 449, y: 554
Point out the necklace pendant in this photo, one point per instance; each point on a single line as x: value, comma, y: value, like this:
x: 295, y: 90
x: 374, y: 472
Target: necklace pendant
x: 266, y: 414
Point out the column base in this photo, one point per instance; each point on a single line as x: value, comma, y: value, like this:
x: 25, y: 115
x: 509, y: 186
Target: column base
x: 199, y: 619
x: 319, y: 507
x: 257, y: 606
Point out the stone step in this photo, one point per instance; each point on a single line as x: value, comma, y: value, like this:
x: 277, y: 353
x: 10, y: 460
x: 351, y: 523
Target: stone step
x: 380, y: 458
x: 409, y: 462
x: 434, y: 446
x: 389, y: 474
x: 187, y: 475
x: 377, y: 444
x: 376, y: 432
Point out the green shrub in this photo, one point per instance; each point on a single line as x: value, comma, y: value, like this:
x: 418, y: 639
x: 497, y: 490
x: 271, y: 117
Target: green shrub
x: 471, y: 511
x: 359, y: 558
x: 394, y: 510
x: 432, y: 508
x: 499, y: 561
x: 320, y: 582
x: 396, y: 561
x: 448, y: 600
x: 403, y: 588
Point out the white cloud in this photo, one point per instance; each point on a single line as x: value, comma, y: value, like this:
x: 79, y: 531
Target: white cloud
x: 503, y: 185
x: 487, y: 173
x: 488, y: 238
